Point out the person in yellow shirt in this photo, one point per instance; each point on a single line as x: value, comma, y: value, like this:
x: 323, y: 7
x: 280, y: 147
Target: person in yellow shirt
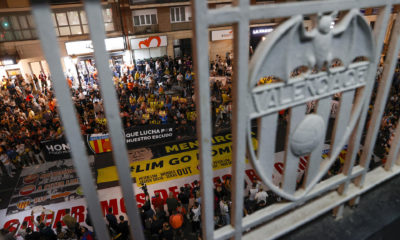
x: 137, y: 76
x: 225, y: 97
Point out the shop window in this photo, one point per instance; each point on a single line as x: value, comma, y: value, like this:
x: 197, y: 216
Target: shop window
x: 145, y: 17
x: 180, y: 14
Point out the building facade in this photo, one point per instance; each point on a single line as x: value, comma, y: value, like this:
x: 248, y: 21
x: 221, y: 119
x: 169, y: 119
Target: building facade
x: 136, y: 30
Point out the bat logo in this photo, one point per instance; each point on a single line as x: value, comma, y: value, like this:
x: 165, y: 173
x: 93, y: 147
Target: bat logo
x: 148, y: 40
x: 286, y: 49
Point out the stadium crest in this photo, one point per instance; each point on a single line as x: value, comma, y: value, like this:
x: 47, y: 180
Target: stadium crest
x: 290, y: 47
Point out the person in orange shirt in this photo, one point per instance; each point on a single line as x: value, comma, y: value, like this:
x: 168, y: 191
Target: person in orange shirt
x: 52, y: 104
x: 176, y: 222
x: 130, y: 86
x: 69, y: 82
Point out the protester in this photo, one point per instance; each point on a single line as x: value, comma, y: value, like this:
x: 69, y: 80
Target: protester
x: 69, y: 221
x: 172, y: 203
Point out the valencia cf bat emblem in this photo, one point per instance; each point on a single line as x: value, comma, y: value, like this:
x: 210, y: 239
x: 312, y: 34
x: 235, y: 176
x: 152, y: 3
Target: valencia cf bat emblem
x: 289, y: 47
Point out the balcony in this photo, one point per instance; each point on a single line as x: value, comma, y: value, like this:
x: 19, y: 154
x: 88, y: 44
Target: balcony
x: 181, y: 26
x: 145, y: 29
x: 141, y: 2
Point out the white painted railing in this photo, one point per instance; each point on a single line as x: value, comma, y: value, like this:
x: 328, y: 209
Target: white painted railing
x: 310, y: 201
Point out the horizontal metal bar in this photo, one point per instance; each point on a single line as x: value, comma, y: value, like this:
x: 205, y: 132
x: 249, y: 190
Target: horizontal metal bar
x: 281, y: 10
x: 269, y: 213
x: 224, y: 232
x: 313, y: 209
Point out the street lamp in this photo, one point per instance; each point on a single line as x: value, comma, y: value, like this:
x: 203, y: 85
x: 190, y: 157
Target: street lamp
x: 75, y: 61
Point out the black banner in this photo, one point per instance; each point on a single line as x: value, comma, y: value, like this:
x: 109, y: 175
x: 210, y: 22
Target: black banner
x: 56, y: 149
x: 149, y: 135
x: 48, y: 183
x: 100, y: 143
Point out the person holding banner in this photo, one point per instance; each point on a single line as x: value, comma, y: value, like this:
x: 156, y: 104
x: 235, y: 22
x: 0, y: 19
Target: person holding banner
x: 6, y: 234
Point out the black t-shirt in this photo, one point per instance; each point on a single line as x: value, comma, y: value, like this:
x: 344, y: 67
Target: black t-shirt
x: 183, y: 197
x: 156, y: 226
x: 168, y: 234
x: 123, y: 228
x: 33, y: 236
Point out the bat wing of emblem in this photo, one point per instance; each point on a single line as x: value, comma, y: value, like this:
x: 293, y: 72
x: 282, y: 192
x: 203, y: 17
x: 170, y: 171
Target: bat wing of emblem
x: 352, y: 38
x: 291, y: 46
x: 282, y: 50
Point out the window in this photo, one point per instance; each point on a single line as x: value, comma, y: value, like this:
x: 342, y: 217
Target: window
x: 84, y: 22
x: 74, y: 22
x: 145, y: 17
x: 180, y: 14
x: 21, y: 26
x: 108, y: 21
x: 17, y: 27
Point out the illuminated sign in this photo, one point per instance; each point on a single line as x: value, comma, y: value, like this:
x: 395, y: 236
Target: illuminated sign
x: 262, y: 31
x: 222, y: 35
x: 85, y: 47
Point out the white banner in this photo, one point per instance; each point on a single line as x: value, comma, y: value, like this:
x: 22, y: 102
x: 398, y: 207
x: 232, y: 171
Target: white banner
x: 222, y: 35
x: 112, y: 197
x: 150, y: 42
x: 85, y: 47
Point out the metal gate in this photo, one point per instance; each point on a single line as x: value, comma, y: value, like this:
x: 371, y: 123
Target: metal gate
x: 315, y: 197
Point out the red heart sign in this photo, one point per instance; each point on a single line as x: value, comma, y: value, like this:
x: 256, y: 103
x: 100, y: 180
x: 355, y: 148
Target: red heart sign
x: 147, y: 41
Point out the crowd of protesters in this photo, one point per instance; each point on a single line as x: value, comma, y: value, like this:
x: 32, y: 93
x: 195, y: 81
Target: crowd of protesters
x: 390, y: 117
x: 155, y: 91
x: 176, y: 217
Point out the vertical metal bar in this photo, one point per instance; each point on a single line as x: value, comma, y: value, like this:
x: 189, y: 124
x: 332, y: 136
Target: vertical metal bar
x: 353, y: 147
x: 383, y: 91
x: 342, y: 118
x: 97, y: 33
x: 297, y: 114
x: 49, y: 43
x: 314, y: 163
x: 394, y: 149
x: 200, y: 43
x: 266, y: 142
x: 240, y: 84
x: 341, y: 122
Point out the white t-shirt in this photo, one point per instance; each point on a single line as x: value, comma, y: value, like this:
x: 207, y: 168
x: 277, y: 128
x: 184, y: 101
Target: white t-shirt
x: 224, y: 208
x: 261, y: 196
x: 196, y: 214
x: 253, y: 192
